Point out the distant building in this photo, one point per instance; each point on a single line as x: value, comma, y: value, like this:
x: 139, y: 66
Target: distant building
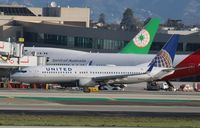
x: 51, y: 14
x: 174, y: 23
x: 172, y: 30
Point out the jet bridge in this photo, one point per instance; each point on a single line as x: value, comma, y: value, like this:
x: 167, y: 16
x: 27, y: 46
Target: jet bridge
x: 18, y: 62
x: 11, y: 56
x: 11, y: 49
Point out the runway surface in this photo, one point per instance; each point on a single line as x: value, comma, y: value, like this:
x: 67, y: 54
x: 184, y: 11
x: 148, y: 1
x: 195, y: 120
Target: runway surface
x: 105, y: 95
x: 117, y: 108
x: 64, y: 101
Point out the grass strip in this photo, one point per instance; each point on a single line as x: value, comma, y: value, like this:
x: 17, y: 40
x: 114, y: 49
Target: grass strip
x: 95, y: 121
x: 3, y: 97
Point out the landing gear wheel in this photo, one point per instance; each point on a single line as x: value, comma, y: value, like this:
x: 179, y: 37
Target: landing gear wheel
x: 101, y: 87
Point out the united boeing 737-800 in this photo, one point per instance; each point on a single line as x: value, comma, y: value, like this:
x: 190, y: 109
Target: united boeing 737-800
x: 160, y: 66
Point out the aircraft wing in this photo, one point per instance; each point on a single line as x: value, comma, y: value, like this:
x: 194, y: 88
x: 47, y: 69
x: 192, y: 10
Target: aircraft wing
x: 174, y: 69
x: 169, y: 69
x: 181, y: 68
x: 113, y: 77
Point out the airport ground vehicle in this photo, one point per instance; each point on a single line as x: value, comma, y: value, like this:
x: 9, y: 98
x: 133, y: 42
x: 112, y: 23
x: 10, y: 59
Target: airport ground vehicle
x: 110, y: 87
x: 197, y: 87
x: 91, y: 89
x: 163, y: 86
x: 156, y: 86
x: 152, y: 86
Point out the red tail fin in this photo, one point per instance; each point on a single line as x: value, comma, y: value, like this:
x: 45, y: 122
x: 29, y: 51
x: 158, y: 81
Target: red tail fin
x: 192, y: 61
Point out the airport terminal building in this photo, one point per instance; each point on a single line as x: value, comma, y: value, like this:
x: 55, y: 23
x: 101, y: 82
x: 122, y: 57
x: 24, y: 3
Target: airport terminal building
x: 70, y: 28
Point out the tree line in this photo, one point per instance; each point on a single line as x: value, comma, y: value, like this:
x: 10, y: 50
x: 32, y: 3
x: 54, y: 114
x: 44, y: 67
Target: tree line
x: 128, y: 23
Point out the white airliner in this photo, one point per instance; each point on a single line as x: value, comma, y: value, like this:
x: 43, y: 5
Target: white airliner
x: 140, y: 44
x: 67, y: 57
x: 159, y: 67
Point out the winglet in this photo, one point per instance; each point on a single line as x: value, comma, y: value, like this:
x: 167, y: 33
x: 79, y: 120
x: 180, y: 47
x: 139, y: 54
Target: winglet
x: 150, y: 67
x: 90, y: 63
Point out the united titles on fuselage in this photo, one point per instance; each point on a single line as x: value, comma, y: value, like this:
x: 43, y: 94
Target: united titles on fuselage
x: 69, y: 60
x: 65, y: 69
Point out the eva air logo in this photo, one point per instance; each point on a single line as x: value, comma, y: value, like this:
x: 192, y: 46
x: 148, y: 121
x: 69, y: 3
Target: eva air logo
x: 142, y: 39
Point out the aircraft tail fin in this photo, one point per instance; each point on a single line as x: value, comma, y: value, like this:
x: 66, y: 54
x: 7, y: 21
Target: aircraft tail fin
x: 188, y: 67
x: 166, y: 56
x: 142, y: 42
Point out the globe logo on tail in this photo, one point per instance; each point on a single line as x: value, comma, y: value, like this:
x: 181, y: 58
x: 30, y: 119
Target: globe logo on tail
x: 163, y: 59
x: 142, y: 39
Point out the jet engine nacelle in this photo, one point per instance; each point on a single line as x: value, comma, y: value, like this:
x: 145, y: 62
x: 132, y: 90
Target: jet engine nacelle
x: 87, y: 82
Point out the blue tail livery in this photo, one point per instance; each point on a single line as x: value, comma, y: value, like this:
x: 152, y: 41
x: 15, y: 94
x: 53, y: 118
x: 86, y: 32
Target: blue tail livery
x: 166, y: 56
